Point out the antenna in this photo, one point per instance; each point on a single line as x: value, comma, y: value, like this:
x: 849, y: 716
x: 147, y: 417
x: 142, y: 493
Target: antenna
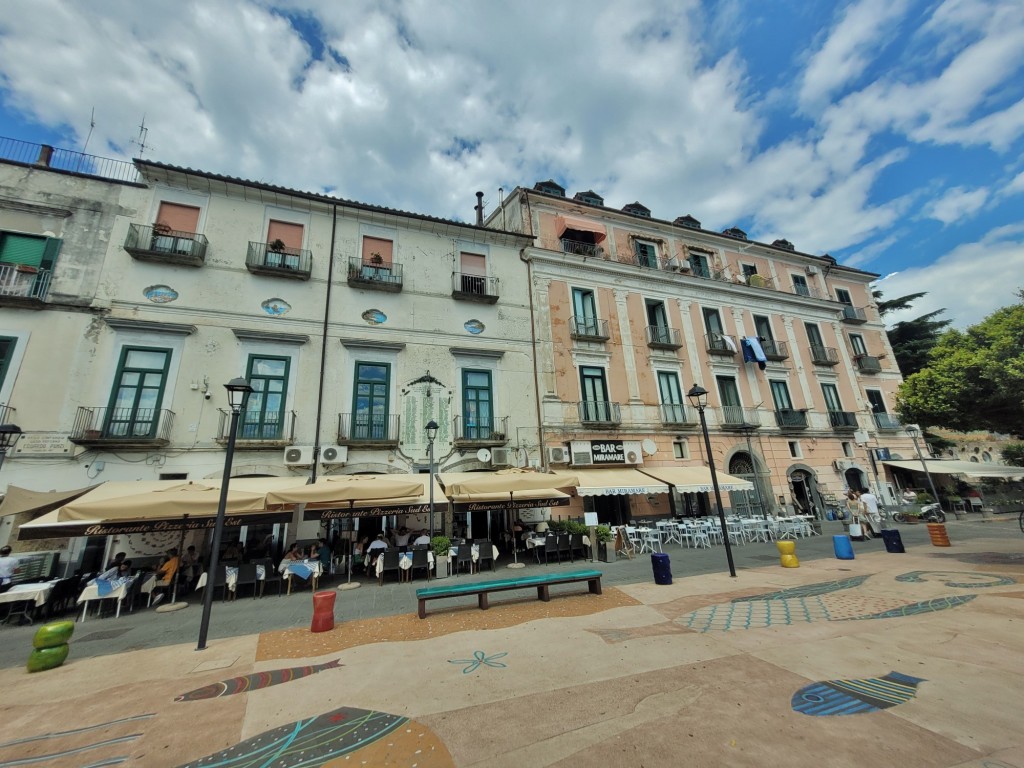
x: 141, y: 141
x: 92, y: 124
x: 501, y: 204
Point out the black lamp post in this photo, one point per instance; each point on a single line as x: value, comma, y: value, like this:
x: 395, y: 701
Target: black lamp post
x: 431, y: 429
x: 9, y: 436
x: 698, y: 397
x: 913, y: 430
x: 238, y: 392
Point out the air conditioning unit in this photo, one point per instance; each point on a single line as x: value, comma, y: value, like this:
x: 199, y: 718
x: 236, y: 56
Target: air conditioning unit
x: 841, y: 465
x: 811, y: 269
x: 678, y: 265
x: 579, y: 450
x: 500, y: 457
x: 298, y: 456
x: 334, y: 454
x: 632, y: 451
x: 558, y: 454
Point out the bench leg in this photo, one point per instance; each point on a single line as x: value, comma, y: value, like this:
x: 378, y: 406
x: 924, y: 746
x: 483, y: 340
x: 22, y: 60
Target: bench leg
x: 423, y: 609
x: 482, y: 601
x: 542, y: 593
x: 595, y: 586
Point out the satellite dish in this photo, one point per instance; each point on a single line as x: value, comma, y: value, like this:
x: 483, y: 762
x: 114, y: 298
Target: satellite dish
x: 483, y: 455
x: 650, y: 447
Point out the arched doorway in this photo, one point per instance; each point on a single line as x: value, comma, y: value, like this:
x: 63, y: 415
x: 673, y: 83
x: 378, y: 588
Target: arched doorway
x: 856, y: 480
x: 806, y: 498
x: 748, y: 503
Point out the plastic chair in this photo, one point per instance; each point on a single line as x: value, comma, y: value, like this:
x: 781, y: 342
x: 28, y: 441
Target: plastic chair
x: 420, y: 559
x: 550, y: 548
x: 247, y: 576
x: 564, y: 546
x: 464, y: 555
x: 576, y: 545
x: 486, y: 554
x: 390, y: 563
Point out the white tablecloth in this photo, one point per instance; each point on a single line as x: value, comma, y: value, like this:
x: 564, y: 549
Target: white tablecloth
x: 37, y: 592
x: 231, y: 577
x: 405, y: 562
x: 92, y: 592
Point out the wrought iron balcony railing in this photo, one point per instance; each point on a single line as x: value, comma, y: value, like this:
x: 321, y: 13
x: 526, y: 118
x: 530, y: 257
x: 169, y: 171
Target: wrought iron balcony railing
x: 886, y: 421
x: 376, y: 275
x: 581, y: 249
x: 368, y: 429
x: 824, y: 355
x: 295, y: 263
x: 842, y: 419
x: 256, y: 430
x: 868, y: 364
x: 775, y: 350
x: 474, y: 288
x: 481, y: 431
x: 738, y: 417
x: 599, y: 413
x: 20, y: 284
x: 590, y: 329
x: 808, y: 291
x: 122, y: 427
x: 854, y: 315
x: 158, y: 243
x: 661, y: 337
x: 676, y: 414
x: 720, y: 344
x: 788, y: 418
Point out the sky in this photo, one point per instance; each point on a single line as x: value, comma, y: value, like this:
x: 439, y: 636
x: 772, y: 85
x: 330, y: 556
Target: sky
x: 887, y: 133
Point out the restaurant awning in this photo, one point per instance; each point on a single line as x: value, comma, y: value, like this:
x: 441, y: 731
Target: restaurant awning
x: 616, y: 482
x: 337, y: 490
x: 697, y: 479
x: 417, y: 504
x: 967, y: 468
x: 510, y: 501
x: 504, y: 481
x: 18, y: 500
x: 563, y: 223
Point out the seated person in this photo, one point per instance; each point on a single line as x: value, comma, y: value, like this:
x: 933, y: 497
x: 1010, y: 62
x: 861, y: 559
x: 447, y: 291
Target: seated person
x: 323, y: 554
x: 294, y: 553
x: 8, y: 567
x: 165, y: 574
x: 423, y: 538
x: 190, y: 568
x: 402, y: 539
x: 376, y: 548
x: 120, y: 571
x: 118, y: 558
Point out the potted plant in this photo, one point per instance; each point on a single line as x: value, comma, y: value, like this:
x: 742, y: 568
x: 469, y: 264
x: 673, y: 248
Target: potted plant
x: 277, y: 246
x: 277, y: 249
x: 162, y: 239
x: 605, y: 544
x: 376, y: 259
x: 441, y: 545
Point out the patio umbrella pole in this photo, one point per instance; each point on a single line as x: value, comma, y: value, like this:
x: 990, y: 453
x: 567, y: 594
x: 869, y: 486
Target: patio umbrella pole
x: 351, y: 555
x: 515, y: 544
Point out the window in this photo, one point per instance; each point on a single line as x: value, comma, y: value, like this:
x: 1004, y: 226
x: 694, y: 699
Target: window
x: 477, y: 414
x: 699, y: 264
x: 473, y: 267
x: 288, y: 239
x: 646, y: 254
x: 595, y: 394
x: 780, y: 396
x: 673, y: 410
x: 986, y: 456
x: 800, y: 286
x: 377, y: 252
x: 263, y: 418
x: 138, y: 391
x: 29, y: 251
x: 794, y: 449
x: 857, y: 342
x: 657, y: 322
x: 831, y: 394
x: 814, y: 336
x: 7, y: 346
x: 748, y: 270
x: 681, y: 449
x: 843, y: 297
x: 370, y: 404
x: 876, y: 400
x: 181, y: 219
x: 584, y: 309
x: 848, y: 449
x: 763, y: 327
x: 713, y: 322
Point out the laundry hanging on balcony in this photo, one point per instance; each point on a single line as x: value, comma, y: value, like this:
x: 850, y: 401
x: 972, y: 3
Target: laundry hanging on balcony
x: 752, y: 351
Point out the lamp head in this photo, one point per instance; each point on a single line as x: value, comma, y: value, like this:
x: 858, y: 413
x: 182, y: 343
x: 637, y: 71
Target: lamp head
x: 698, y: 396
x: 9, y: 435
x: 238, y: 392
x: 431, y: 430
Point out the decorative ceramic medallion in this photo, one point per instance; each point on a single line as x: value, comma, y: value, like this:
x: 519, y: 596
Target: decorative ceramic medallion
x: 276, y: 307
x: 160, y: 294
x: 374, y: 317
x: 474, y: 326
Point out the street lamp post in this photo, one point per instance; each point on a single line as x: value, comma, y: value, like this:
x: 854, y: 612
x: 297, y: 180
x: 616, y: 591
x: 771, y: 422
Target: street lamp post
x: 914, y: 431
x: 431, y: 435
x: 698, y: 397
x: 238, y: 392
x: 9, y: 436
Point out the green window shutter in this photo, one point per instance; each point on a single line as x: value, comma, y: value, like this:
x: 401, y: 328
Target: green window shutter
x: 22, y: 249
x: 53, y: 245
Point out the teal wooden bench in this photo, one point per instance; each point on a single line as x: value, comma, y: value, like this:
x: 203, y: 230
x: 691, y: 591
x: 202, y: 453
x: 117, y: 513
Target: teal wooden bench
x: 483, y: 588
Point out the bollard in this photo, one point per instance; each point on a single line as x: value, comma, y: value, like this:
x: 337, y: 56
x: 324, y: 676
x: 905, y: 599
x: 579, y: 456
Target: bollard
x: 50, y: 645
x: 787, y: 554
x: 842, y: 547
x: 662, y: 568
x: 937, y: 531
x: 323, y: 611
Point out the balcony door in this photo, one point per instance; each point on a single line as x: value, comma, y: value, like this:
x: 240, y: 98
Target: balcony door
x: 370, y: 406
x: 657, y: 319
x: 857, y: 343
x: 263, y: 418
x: 780, y: 396
x: 814, y: 336
x: 729, y: 397
x: 594, y: 388
x: 699, y: 264
x: 763, y: 327
x: 477, y: 414
x: 832, y: 402
x: 800, y: 286
x: 876, y: 400
x: 584, y: 309
x: 139, y: 389
x: 288, y: 238
x: 474, y: 273
x: 671, y: 398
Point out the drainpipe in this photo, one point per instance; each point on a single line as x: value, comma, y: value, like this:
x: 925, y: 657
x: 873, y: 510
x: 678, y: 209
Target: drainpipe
x: 323, y: 345
x: 533, y: 341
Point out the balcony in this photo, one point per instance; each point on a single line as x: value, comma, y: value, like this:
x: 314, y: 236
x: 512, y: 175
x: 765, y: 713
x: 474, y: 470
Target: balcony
x: 23, y: 286
x: 648, y: 262
x: 824, y: 355
x: 166, y: 246
x: 369, y: 430
x: 676, y: 415
x: 122, y: 427
x: 842, y: 420
x: 807, y: 291
x: 581, y: 249
x: 886, y: 421
x: 775, y: 350
x: 759, y: 281
x: 720, y: 344
x: 480, y: 432
x: 294, y: 263
x: 787, y: 418
x: 660, y: 337
x: 7, y: 414
x: 599, y: 413
x: 375, y: 276
x: 868, y: 364
x: 737, y: 417
x: 589, y: 329
x: 474, y: 288
x: 275, y: 430
x: 854, y: 315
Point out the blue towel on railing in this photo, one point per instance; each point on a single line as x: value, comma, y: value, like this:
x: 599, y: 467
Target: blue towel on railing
x: 300, y: 570
x: 753, y: 352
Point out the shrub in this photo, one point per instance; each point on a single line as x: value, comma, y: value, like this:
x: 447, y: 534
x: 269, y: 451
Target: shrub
x: 441, y: 545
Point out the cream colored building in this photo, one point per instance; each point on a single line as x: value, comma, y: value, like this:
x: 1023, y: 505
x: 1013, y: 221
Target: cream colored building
x: 631, y: 311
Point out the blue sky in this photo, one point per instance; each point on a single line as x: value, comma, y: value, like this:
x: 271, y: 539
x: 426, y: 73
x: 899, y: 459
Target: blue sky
x: 888, y: 133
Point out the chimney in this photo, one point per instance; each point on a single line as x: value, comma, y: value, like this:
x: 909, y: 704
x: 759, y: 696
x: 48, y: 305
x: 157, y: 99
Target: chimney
x: 45, y: 153
x: 479, y: 209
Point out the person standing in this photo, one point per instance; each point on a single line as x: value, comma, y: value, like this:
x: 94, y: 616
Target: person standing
x: 8, y: 567
x: 871, y: 514
x: 855, y: 514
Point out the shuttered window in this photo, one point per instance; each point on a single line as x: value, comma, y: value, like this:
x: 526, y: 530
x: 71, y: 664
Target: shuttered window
x: 29, y: 250
x: 375, y: 246
x: 180, y: 218
x: 288, y: 233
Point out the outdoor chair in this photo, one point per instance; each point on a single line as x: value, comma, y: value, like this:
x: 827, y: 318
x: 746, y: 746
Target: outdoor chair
x: 564, y: 547
x: 486, y: 554
x: 550, y: 549
x: 419, y: 560
x: 390, y: 563
x: 219, y: 582
x: 270, y: 576
x: 576, y: 545
x: 247, y: 576
x: 464, y: 556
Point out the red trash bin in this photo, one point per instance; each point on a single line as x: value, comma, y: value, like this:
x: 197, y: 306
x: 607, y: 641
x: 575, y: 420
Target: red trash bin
x: 323, y: 611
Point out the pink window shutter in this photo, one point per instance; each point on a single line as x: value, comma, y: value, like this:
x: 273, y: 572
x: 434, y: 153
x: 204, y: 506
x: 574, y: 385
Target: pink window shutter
x: 376, y: 245
x: 180, y: 218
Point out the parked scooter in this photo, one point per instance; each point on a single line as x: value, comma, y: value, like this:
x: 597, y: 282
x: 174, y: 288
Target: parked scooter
x: 930, y: 513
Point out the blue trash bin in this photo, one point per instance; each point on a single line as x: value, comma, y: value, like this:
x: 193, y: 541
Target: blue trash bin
x: 662, y: 568
x: 842, y: 546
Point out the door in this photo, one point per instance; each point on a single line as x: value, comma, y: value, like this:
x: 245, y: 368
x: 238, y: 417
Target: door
x: 584, y: 309
x: 657, y: 321
x: 135, y: 402
x: 474, y: 273
x: 263, y: 418
x: 831, y: 394
x: 646, y: 254
x: 857, y: 344
x: 673, y: 410
x: 595, y: 394
x: 370, y: 406
x: 876, y: 400
x: 477, y: 416
x: 699, y: 265
x: 287, y: 238
x: 729, y: 396
x: 800, y: 286
x: 763, y: 328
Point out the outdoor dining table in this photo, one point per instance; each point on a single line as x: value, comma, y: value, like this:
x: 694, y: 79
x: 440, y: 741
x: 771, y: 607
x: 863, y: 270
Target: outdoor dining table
x: 118, y: 593
x: 304, y: 569
x: 454, y: 551
x: 405, y: 562
x: 34, y: 595
x: 231, y: 577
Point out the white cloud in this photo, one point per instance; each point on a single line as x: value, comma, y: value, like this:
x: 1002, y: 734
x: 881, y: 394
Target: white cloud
x: 1016, y: 186
x: 970, y: 282
x: 957, y: 204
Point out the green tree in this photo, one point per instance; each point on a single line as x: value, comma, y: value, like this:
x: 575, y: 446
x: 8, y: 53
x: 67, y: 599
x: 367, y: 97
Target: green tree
x: 911, y: 340
x: 974, y: 378
x: 1013, y: 454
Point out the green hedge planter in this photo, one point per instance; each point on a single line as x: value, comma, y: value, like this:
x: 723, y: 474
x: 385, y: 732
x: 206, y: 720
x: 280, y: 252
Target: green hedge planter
x: 53, y: 634
x: 47, y: 658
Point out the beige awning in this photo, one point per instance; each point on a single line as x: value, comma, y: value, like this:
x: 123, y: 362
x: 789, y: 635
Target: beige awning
x: 504, y: 481
x: 18, y: 500
x: 967, y: 468
x: 697, y: 479
x: 417, y: 504
x: 621, y: 481
x: 514, y: 500
x: 563, y: 223
x: 336, y: 490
